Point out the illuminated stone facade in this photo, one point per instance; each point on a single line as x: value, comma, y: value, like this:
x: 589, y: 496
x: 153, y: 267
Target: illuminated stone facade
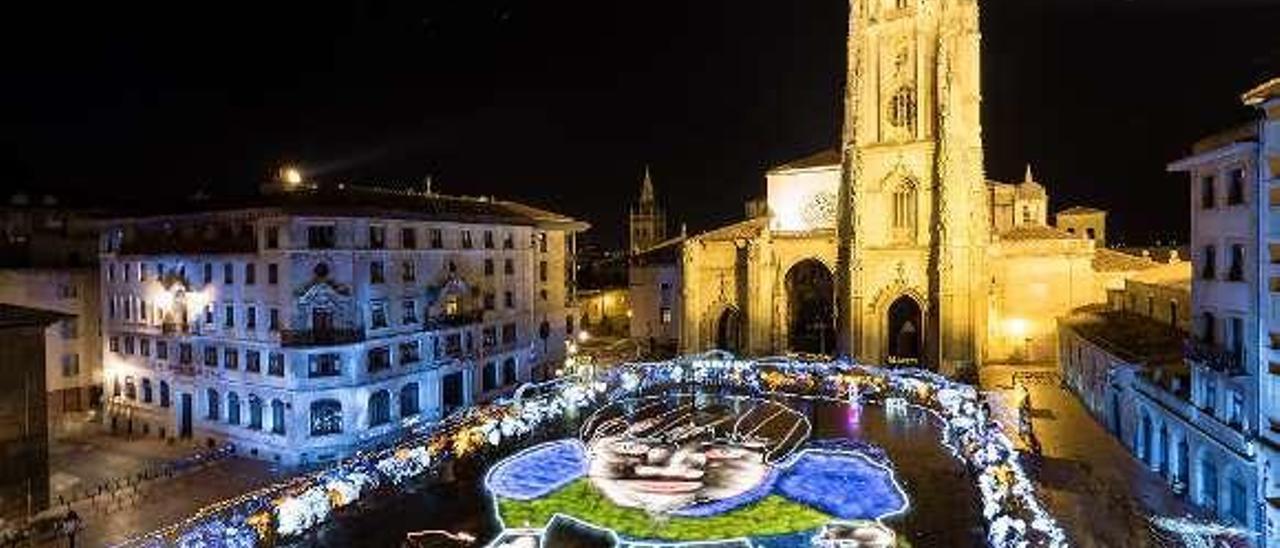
x: 894, y: 248
x: 308, y: 324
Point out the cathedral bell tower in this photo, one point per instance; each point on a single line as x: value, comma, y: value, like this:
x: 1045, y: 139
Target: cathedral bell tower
x: 647, y: 222
x: 912, y: 223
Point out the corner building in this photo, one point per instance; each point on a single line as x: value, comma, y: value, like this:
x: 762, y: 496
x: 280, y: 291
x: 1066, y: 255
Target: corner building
x: 313, y: 322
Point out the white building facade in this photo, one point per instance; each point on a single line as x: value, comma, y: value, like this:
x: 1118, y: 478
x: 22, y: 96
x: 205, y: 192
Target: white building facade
x: 318, y: 322
x: 1234, y: 352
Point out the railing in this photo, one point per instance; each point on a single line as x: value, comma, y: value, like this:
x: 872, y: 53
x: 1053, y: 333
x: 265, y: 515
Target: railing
x: 454, y: 320
x: 1213, y: 356
x: 173, y: 328
x: 324, y: 337
x: 186, y: 370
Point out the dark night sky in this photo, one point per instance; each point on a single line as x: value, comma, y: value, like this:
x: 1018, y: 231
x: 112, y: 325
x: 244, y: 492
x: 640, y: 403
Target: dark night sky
x: 561, y: 103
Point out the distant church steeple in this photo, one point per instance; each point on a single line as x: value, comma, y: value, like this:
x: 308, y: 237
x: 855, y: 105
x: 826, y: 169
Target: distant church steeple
x: 648, y: 222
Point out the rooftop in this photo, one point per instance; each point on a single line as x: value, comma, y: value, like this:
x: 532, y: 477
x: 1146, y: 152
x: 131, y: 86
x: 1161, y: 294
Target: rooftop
x: 1035, y: 232
x: 1262, y: 92
x: 357, y: 201
x: 1110, y: 260
x: 1081, y: 210
x: 826, y: 158
x: 749, y: 228
x: 663, y: 253
x: 1135, y: 338
x: 1243, y: 133
x: 1174, y: 275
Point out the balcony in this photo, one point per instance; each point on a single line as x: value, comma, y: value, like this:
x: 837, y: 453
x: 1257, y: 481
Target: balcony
x: 184, y: 370
x: 1214, y: 357
x: 325, y: 337
x: 174, y: 328
x: 454, y: 320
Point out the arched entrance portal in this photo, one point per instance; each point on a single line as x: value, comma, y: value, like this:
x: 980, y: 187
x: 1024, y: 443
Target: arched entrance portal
x: 729, y: 331
x: 905, y: 332
x: 810, y: 308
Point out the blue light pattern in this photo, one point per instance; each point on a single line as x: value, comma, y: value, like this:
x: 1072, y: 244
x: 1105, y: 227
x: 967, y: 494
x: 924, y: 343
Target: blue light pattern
x: 539, y: 471
x: 845, y: 485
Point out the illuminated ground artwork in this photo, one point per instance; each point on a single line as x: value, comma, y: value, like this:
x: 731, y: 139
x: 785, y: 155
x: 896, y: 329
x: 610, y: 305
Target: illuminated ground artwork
x: 696, y: 470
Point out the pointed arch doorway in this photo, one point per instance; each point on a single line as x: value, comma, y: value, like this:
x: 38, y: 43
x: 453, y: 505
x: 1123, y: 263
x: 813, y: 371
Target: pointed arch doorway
x: 905, y: 333
x: 810, y: 308
x: 729, y: 331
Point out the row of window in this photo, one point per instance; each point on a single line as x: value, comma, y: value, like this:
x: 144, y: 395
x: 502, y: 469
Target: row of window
x: 144, y: 272
x: 1209, y: 400
x: 1209, y: 263
x: 326, y: 414
x: 326, y: 237
x: 250, y: 317
x: 409, y: 352
x: 230, y: 357
x: 1234, y: 327
x: 1235, y: 194
x: 377, y: 271
x: 214, y: 404
x: 1156, y: 447
x: 491, y: 378
x: 129, y: 389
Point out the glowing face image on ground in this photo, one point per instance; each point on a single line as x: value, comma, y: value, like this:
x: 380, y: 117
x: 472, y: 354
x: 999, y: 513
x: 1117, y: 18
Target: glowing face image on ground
x: 702, y: 471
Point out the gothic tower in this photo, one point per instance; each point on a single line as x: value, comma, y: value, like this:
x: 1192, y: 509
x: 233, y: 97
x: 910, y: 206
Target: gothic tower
x: 912, y: 226
x: 648, y: 222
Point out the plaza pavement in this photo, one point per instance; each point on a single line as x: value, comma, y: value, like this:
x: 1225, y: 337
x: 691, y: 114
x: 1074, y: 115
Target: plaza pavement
x: 1098, y: 491
x: 123, y: 510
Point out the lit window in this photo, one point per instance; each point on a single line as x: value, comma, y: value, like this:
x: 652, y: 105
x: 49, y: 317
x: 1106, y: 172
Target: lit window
x: 326, y: 417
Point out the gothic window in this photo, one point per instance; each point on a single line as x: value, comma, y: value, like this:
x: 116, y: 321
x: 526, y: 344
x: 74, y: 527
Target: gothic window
x: 902, y: 108
x: 904, y: 212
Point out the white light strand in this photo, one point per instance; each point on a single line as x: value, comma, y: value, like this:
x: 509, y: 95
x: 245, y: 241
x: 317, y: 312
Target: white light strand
x: 1014, y: 516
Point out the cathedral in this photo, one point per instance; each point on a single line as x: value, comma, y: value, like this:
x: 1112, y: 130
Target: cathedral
x: 893, y: 248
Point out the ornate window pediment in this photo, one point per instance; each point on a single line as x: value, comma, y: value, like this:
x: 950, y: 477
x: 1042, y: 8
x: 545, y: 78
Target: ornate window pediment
x: 324, y: 293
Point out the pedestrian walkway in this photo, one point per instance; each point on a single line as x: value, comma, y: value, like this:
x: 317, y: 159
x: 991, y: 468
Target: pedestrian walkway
x: 1090, y: 482
x: 91, y: 460
x: 122, y: 487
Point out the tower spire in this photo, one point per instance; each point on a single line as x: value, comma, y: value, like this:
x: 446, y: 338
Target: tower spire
x: 1028, y: 178
x: 646, y: 188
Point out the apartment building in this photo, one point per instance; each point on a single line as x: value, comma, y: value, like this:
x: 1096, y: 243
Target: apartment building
x: 314, y: 321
